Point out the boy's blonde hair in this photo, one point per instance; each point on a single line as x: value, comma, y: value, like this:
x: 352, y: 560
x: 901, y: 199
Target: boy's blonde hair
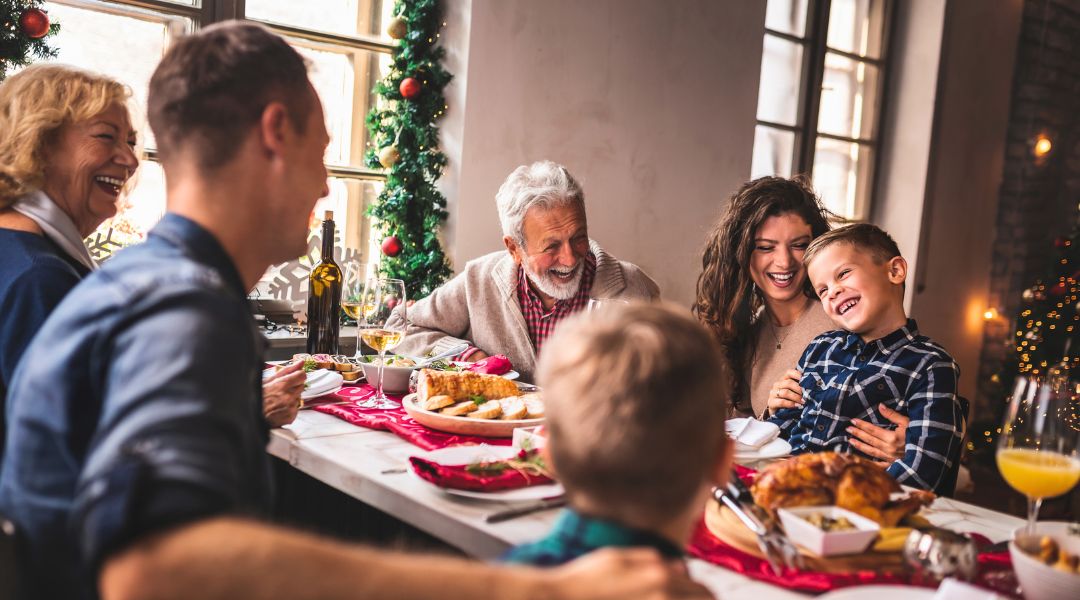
x: 34, y: 104
x: 635, y: 408
x: 864, y: 236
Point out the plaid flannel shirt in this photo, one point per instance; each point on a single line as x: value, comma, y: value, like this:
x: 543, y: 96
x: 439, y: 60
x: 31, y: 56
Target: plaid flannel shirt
x: 844, y: 378
x: 576, y: 534
x: 541, y: 323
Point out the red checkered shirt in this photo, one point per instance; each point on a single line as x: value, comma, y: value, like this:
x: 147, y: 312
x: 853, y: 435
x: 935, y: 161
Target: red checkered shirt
x: 540, y: 322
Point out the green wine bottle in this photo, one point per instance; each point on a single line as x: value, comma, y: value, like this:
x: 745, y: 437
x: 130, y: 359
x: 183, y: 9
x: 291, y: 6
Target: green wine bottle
x: 324, y: 296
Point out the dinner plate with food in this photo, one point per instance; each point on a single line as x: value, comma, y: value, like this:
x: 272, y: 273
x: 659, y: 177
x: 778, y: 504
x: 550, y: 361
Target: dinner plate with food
x: 479, y: 454
x: 470, y: 403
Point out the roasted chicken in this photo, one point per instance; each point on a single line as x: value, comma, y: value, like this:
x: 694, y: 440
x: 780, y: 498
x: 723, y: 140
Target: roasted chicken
x: 828, y: 478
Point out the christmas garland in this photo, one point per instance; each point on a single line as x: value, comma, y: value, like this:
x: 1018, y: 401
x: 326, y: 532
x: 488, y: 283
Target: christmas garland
x: 24, y: 27
x: 410, y: 210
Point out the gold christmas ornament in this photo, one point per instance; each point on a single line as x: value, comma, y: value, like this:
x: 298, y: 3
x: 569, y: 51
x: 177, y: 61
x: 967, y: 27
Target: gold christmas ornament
x: 397, y: 28
x: 388, y: 156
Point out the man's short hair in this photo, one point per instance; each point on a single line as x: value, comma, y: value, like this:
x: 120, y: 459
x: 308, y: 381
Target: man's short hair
x: 864, y: 236
x: 212, y: 87
x: 635, y: 408
x: 544, y: 184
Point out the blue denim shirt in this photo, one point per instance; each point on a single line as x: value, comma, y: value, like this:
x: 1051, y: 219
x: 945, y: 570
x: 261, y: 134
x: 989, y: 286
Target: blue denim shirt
x: 137, y: 407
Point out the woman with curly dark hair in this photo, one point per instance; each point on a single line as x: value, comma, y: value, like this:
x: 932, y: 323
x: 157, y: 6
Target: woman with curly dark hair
x: 754, y: 295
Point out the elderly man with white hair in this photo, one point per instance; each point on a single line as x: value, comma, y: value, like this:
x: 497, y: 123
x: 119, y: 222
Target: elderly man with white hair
x: 510, y: 302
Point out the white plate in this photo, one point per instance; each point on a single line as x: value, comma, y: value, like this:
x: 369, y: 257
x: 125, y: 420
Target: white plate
x: 463, y: 455
x: 774, y: 449
x: 511, y: 374
x: 880, y: 592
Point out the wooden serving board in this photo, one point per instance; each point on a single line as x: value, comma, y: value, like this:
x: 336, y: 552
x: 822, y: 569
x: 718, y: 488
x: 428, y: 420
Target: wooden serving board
x: 727, y: 527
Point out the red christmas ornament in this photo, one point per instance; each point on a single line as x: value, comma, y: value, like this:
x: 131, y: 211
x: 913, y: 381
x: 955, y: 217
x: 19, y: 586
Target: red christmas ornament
x: 1058, y: 289
x: 409, y: 88
x: 391, y: 246
x: 1061, y: 242
x: 34, y: 23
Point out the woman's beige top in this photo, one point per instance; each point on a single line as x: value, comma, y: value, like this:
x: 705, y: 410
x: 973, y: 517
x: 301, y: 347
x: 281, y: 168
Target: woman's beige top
x: 770, y: 363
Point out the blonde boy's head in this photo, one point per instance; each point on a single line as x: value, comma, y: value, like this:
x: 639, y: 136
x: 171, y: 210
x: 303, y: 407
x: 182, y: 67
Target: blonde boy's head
x: 635, y: 409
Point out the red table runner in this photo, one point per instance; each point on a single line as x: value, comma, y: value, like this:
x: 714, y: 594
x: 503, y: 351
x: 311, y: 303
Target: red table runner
x: 395, y: 420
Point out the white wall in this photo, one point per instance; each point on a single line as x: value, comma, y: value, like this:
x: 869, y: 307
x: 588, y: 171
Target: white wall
x: 650, y: 104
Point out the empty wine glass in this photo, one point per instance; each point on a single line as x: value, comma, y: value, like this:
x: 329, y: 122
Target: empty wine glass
x: 602, y: 303
x: 1037, y: 450
x: 383, y: 328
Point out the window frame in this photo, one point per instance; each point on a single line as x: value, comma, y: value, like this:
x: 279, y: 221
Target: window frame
x: 815, y: 47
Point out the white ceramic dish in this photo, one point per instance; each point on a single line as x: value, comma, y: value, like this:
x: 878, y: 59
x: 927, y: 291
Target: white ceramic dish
x: 396, y: 379
x: 828, y: 543
x: 464, y: 425
x: 511, y: 374
x: 774, y: 449
x: 879, y: 592
x: 1039, y: 581
x: 463, y: 455
x: 322, y: 382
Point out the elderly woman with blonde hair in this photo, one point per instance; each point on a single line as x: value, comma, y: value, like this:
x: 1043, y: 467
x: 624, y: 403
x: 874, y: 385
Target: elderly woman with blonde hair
x: 67, y: 151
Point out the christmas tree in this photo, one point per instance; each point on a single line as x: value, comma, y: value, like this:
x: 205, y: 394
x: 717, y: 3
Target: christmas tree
x: 410, y: 210
x: 24, y: 28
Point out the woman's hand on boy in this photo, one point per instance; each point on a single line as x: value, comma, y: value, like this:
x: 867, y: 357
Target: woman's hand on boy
x: 883, y: 445
x: 786, y: 392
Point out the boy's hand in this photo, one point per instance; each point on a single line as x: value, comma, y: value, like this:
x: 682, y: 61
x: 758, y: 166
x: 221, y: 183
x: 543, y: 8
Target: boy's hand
x: 885, y: 445
x: 786, y: 392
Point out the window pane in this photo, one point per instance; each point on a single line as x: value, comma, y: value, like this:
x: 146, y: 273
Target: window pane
x: 349, y: 199
x: 773, y: 152
x: 848, y: 97
x: 85, y: 41
x: 778, y: 93
x: 344, y: 78
x: 842, y: 175
x: 857, y: 26
x: 786, y: 16
x: 139, y: 211
x: 345, y: 17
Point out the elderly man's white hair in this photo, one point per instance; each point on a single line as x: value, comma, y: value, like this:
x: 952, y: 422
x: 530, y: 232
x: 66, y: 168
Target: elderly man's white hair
x: 544, y: 184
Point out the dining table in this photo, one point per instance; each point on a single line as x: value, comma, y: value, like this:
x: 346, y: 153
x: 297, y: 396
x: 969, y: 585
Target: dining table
x: 373, y: 467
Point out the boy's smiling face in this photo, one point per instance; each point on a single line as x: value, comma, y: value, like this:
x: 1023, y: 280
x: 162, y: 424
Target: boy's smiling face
x: 858, y: 294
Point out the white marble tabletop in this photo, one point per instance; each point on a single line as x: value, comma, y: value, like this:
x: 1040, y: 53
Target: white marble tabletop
x: 371, y: 467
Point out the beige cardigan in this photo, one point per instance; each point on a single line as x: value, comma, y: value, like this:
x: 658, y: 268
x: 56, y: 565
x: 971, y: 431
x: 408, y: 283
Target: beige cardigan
x: 480, y: 306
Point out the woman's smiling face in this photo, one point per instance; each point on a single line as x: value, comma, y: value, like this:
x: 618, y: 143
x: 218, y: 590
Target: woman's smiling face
x: 776, y: 262
x: 88, y: 165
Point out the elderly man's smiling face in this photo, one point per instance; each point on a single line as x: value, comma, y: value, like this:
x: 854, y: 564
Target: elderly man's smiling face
x: 556, y: 242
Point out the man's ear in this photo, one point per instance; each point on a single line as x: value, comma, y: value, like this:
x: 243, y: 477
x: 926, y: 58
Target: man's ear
x: 721, y: 470
x: 274, y: 129
x: 515, y: 250
x: 897, y: 269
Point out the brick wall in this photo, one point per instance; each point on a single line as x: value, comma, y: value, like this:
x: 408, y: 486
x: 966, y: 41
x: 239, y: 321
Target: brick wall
x: 1038, y: 199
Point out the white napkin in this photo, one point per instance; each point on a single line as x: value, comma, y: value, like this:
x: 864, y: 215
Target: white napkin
x: 750, y: 434
x: 321, y: 381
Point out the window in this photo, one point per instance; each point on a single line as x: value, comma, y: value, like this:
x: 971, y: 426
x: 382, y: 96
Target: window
x: 819, y: 99
x: 348, y: 53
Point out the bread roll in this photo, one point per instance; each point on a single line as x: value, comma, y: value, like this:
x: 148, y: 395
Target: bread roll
x: 436, y: 402
x: 512, y: 409
x: 534, y: 405
x: 460, y: 409
x: 488, y: 410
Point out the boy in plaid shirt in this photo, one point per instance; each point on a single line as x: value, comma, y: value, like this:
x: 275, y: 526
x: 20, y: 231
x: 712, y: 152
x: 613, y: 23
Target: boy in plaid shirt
x: 878, y: 359
x: 635, y: 419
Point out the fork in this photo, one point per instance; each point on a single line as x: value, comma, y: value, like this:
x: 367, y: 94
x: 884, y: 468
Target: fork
x: 772, y: 553
x: 738, y: 490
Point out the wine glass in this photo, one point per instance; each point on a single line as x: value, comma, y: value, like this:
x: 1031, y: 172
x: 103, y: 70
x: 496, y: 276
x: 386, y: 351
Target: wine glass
x: 1037, y: 450
x: 353, y: 298
x: 384, y: 327
x: 602, y: 303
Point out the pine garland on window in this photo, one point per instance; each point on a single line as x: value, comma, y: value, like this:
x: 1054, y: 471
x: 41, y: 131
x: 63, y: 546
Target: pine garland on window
x: 24, y: 27
x: 410, y: 210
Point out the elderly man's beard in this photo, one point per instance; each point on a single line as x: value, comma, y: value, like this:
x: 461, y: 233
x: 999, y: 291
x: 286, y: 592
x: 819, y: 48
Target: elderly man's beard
x: 557, y: 288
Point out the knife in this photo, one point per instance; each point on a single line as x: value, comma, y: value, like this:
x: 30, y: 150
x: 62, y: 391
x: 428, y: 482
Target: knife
x: 527, y: 509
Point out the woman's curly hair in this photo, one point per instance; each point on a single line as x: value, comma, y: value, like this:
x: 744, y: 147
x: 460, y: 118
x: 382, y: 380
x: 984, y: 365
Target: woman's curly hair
x: 728, y: 302
x: 34, y: 104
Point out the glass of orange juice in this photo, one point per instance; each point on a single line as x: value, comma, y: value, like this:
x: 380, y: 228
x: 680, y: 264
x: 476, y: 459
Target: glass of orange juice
x: 1037, y: 450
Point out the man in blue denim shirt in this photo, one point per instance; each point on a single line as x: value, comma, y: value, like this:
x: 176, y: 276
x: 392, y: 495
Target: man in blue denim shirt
x: 136, y: 445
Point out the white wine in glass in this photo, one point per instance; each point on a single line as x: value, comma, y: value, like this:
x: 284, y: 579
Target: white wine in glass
x: 353, y: 300
x: 381, y: 299
x: 1037, y: 450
